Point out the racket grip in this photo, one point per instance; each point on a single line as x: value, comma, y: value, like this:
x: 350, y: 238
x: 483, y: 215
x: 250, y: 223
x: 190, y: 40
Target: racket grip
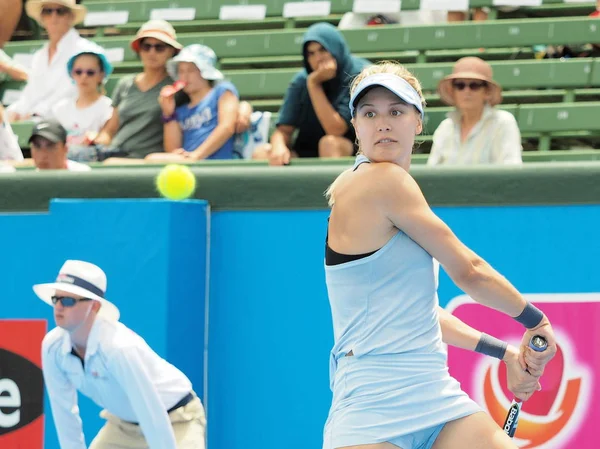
x: 538, y: 343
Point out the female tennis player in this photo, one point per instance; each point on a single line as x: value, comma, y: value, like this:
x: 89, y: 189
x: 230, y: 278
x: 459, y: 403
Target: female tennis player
x: 389, y: 376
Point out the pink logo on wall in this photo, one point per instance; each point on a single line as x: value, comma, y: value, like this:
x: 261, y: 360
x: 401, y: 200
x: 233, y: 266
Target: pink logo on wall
x: 564, y: 414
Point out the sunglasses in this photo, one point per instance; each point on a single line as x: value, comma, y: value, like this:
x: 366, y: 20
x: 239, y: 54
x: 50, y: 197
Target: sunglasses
x: 61, y: 12
x: 67, y: 301
x: 473, y: 85
x: 90, y: 72
x: 144, y: 46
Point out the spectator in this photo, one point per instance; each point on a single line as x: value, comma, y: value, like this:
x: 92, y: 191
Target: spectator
x: 9, y: 144
x: 477, y: 132
x: 479, y: 15
x: 204, y: 128
x: 135, y: 129
x: 570, y: 51
x: 10, y: 70
x: 49, y: 147
x: 84, y: 116
x: 316, y: 102
x: 597, y: 12
x: 48, y: 81
x: 352, y: 20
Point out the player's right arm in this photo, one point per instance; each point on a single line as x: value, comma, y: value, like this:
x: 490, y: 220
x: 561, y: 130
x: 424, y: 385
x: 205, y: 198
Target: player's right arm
x: 401, y: 200
x: 63, y: 397
x: 457, y: 333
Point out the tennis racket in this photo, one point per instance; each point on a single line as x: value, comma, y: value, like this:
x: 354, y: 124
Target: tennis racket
x: 539, y: 344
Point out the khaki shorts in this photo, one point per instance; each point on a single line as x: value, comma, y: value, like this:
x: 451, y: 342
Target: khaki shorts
x: 189, y: 426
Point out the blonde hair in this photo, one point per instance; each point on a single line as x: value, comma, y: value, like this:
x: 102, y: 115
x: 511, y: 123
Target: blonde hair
x: 389, y: 67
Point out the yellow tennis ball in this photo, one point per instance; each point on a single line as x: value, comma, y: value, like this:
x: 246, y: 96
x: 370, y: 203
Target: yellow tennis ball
x: 176, y: 182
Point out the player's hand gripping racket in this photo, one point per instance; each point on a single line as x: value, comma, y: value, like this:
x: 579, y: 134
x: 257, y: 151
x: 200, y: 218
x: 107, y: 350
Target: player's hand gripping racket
x: 539, y: 344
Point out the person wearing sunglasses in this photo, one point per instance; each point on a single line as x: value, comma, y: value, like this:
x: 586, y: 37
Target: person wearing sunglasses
x: 48, y: 81
x: 147, y: 402
x: 85, y: 115
x: 476, y: 132
x: 135, y: 128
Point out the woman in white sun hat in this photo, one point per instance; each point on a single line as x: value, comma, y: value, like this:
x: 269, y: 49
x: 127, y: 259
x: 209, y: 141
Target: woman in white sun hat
x: 135, y: 128
x: 476, y: 132
x: 48, y: 81
x: 147, y: 402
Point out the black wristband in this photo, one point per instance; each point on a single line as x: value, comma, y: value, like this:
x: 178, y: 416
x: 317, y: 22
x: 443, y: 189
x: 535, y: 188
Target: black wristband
x: 531, y: 316
x: 491, y: 346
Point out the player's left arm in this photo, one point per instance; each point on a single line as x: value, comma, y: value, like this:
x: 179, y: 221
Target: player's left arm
x: 403, y: 203
x: 127, y: 365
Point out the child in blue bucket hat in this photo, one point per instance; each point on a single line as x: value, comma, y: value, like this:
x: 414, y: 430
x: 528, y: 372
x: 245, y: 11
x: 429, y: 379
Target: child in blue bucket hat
x: 205, y: 127
x: 85, y: 115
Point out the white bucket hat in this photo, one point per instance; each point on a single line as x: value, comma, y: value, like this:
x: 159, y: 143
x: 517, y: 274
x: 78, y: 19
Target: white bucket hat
x: 34, y: 9
x: 83, y: 279
x: 202, y: 56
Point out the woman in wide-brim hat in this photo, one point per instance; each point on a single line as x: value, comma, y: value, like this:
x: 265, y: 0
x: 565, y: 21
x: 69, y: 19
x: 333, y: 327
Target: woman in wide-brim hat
x: 472, y: 69
x: 135, y: 128
x: 48, y: 81
x: 476, y: 132
x: 34, y: 9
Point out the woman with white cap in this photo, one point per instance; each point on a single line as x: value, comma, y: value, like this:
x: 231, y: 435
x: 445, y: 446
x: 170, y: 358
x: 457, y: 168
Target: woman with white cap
x: 85, y: 115
x: 48, y: 81
x: 135, y: 129
x: 476, y: 132
x: 205, y: 127
x: 388, y: 367
x: 148, y: 403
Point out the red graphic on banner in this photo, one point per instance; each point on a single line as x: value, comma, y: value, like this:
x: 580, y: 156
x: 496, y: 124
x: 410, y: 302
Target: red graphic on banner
x: 21, y: 384
x: 540, y: 405
x: 561, y: 415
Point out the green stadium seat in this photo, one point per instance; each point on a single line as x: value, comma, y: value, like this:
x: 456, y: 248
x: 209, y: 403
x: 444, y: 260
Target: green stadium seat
x: 595, y: 79
x: 265, y: 88
x: 393, y: 38
x: 564, y: 120
x: 560, y: 117
x: 139, y: 10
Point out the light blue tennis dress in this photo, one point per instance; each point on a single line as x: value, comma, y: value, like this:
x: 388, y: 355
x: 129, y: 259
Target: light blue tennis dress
x: 395, y: 387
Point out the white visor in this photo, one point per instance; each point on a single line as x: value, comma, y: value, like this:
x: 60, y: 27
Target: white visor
x: 393, y: 83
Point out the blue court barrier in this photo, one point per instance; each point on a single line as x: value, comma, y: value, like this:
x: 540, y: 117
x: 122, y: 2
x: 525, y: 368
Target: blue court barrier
x: 268, y: 324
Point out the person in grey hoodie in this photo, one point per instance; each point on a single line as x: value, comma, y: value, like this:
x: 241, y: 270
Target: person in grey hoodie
x: 316, y: 101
